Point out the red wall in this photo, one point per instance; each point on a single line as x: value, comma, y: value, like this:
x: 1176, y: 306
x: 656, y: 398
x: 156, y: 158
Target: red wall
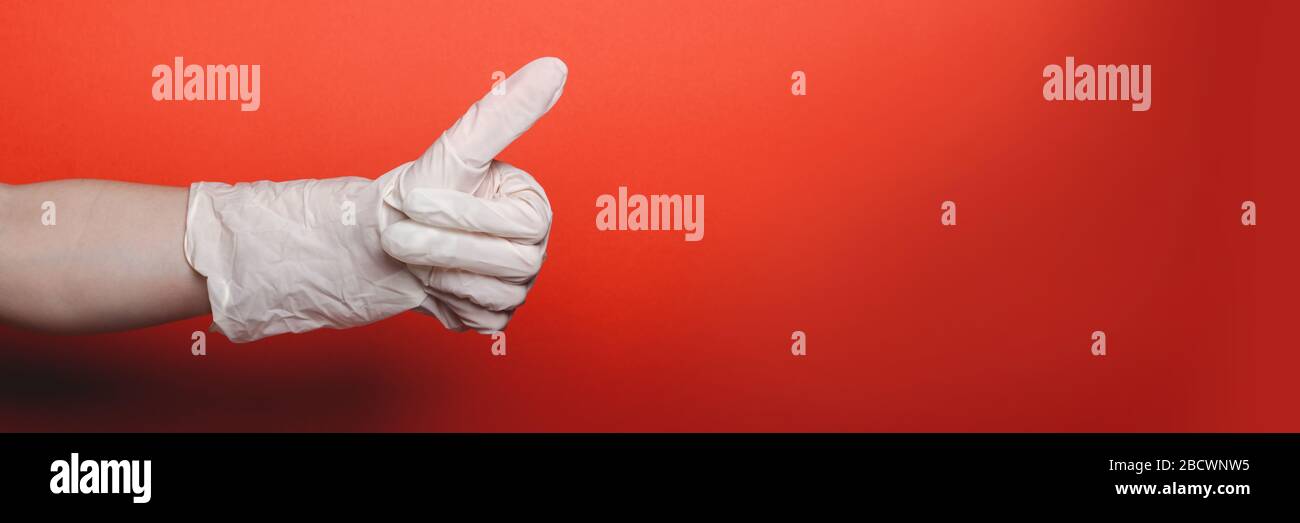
x: 822, y: 214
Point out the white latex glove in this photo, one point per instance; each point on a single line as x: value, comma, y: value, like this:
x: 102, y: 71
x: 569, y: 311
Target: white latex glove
x: 300, y: 255
x: 295, y: 256
x: 478, y: 232
x: 478, y: 256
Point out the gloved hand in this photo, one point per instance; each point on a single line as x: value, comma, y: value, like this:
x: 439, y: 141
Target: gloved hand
x: 295, y: 256
x: 300, y: 255
x: 477, y: 256
x: 479, y: 227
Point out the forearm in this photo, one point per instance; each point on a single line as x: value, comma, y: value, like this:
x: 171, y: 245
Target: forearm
x: 113, y: 258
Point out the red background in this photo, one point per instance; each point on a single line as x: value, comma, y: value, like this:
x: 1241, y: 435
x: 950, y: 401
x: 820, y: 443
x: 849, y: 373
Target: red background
x: 822, y: 214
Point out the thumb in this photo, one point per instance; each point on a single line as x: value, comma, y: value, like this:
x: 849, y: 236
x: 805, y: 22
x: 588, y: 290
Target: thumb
x: 461, y: 156
x: 502, y: 116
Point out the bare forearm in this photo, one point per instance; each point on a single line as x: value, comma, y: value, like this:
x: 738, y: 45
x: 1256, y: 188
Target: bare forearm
x: 107, y: 256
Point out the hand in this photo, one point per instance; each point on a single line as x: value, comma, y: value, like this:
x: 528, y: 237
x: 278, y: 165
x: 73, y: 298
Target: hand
x: 477, y: 256
x: 300, y: 255
x: 478, y: 227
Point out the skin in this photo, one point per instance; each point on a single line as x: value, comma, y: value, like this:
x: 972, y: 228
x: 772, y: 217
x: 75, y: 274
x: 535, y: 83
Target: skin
x: 51, y: 276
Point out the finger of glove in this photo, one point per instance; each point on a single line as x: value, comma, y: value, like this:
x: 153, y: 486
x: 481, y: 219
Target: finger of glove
x: 508, y: 217
x: 459, y: 158
x: 471, y: 315
x: 485, y: 291
x: 512, y: 182
x: 506, y: 112
x: 419, y: 244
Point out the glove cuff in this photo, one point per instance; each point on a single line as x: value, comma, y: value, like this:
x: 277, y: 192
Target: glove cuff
x: 294, y: 256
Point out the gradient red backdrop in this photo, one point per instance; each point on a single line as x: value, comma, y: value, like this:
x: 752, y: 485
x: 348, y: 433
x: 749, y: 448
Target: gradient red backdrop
x: 822, y: 214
